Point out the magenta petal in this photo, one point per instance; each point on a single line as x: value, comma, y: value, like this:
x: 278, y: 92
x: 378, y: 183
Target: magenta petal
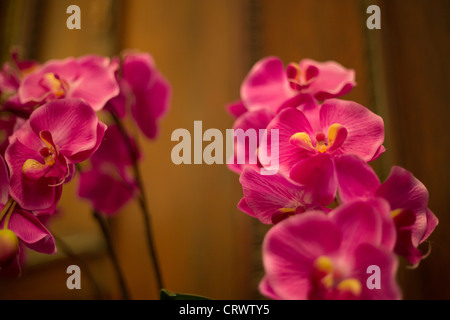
x: 115, y: 149
x: 108, y: 194
x: 404, y: 222
x: 31, y: 88
x: 138, y: 70
x: 72, y: 123
x: 30, y: 195
x: 361, y: 222
x: 365, y: 129
x: 90, y: 78
x: 97, y: 81
x: 378, y: 153
x: 403, y: 191
x: 367, y: 255
x: 266, y: 86
x: 26, y: 136
x: 289, y: 122
x: 150, y: 105
x: 309, y: 106
x: 251, y: 120
x: 243, y: 206
x: 32, y: 232
x: 356, y: 179
x: 432, y: 222
x: 290, y: 249
x: 118, y: 104
x: 236, y: 109
x: 265, y: 194
x: 330, y: 80
x: 266, y: 289
x: 256, y: 120
x: 317, y: 174
x: 83, y: 155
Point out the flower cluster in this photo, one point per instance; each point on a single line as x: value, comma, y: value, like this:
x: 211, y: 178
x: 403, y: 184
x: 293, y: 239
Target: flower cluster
x: 332, y: 217
x: 50, y: 125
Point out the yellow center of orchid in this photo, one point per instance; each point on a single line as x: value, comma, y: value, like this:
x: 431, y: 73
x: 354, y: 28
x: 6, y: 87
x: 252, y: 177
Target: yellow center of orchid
x: 56, y: 85
x: 332, y: 278
x: 395, y: 213
x: 336, y: 137
x: 300, y: 77
x: 48, y: 152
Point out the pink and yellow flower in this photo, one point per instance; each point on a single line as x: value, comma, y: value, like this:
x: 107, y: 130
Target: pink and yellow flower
x: 326, y: 256
x: 406, y: 195
x: 269, y: 88
x: 107, y: 183
x: 309, y: 145
x: 272, y: 198
x: 43, y: 152
x: 19, y: 226
x: 144, y: 90
x: 90, y: 78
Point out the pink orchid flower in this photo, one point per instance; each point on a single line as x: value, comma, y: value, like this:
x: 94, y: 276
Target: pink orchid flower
x: 18, y: 226
x: 254, y: 120
x: 406, y: 195
x: 309, y: 145
x: 269, y: 88
x: 108, y: 184
x: 273, y: 198
x: 144, y: 89
x: 268, y: 84
x: 327, y: 256
x: 11, y: 76
x: 12, y: 73
x: 260, y: 119
x: 90, y: 78
x: 42, y: 154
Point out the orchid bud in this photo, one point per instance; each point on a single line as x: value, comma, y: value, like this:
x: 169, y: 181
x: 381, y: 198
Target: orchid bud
x: 9, y: 247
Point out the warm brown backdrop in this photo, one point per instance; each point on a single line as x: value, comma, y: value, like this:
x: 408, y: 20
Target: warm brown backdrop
x: 205, y: 48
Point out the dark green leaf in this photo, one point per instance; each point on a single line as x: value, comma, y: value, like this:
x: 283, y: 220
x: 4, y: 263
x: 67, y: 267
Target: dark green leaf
x: 169, y: 295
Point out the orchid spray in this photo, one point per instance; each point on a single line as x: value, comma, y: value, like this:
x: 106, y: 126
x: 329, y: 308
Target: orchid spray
x: 332, y: 220
x: 51, y: 131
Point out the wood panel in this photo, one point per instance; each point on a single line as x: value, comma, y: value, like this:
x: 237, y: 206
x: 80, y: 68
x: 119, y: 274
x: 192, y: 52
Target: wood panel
x: 416, y: 44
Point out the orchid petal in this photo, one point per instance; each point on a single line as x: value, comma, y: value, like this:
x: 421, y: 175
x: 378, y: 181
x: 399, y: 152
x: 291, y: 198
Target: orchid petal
x: 31, y: 231
x: 266, y: 86
x: 356, y: 179
x: 365, y: 129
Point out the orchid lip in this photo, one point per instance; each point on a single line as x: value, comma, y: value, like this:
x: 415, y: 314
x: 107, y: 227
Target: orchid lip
x: 297, y: 77
x: 55, y: 84
x: 337, y: 134
x: 33, y: 169
x: 330, y: 277
x: 284, y: 213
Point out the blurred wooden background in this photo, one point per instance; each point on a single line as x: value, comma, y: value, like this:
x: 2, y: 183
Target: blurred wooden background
x: 205, y: 48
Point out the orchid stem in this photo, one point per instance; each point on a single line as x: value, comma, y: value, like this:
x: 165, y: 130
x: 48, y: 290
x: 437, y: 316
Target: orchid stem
x: 69, y: 253
x: 142, y: 199
x: 112, y: 253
